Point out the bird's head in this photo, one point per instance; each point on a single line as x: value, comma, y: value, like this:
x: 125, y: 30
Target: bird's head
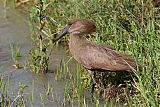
x: 77, y: 27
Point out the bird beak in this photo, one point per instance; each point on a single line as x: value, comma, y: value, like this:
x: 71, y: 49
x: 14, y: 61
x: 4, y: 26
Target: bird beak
x: 63, y: 32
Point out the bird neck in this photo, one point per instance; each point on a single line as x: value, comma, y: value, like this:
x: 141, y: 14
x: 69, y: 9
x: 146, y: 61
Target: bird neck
x: 75, y: 42
x: 75, y: 38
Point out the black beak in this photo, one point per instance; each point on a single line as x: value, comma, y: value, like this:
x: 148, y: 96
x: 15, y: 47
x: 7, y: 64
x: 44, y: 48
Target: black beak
x: 63, y: 32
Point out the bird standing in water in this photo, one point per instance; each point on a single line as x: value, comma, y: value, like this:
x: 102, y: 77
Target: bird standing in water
x: 94, y: 57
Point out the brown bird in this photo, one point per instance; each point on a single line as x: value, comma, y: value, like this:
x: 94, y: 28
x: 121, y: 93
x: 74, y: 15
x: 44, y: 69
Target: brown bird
x: 94, y: 57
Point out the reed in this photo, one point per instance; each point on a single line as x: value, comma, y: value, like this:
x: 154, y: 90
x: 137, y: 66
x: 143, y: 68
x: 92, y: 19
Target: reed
x: 15, y: 55
x: 129, y: 26
x: 39, y: 57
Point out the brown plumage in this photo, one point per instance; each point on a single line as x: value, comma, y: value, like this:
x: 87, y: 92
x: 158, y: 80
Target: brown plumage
x: 94, y: 56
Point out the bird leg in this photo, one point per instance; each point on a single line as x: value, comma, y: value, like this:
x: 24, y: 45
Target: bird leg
x: 93, y: 82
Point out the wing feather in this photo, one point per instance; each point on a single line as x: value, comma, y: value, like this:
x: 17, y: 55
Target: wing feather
x: 93, y: 56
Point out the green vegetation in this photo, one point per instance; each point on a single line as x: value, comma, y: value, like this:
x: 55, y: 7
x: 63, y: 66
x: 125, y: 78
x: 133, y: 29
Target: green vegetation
x: 39, y: 59
x: 15, y: 53
x: 5, y: 98
x: 130, y: 26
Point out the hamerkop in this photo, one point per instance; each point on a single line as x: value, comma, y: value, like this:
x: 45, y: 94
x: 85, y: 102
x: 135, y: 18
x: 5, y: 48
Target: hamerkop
x: 94, y: 57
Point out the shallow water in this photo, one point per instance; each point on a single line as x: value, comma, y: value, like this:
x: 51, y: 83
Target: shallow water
x: 14, y: 29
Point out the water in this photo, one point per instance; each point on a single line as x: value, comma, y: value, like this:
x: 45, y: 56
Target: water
x: 40, y: 88
x: 14, y: 29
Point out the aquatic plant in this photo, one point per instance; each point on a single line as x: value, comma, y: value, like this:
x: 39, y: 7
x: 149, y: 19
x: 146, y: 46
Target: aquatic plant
x: 5, y: 99
x: 15, y: 53
x: 130, y: 26
x: 39, y: 56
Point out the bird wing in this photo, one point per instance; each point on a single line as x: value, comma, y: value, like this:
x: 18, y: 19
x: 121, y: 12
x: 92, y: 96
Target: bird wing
x: 93, y: 56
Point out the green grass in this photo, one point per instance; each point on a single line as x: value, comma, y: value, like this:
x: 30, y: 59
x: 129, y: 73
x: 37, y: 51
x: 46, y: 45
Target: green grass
x: 129, y: 26
x: 6, y: 100
x: 15, y: 54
